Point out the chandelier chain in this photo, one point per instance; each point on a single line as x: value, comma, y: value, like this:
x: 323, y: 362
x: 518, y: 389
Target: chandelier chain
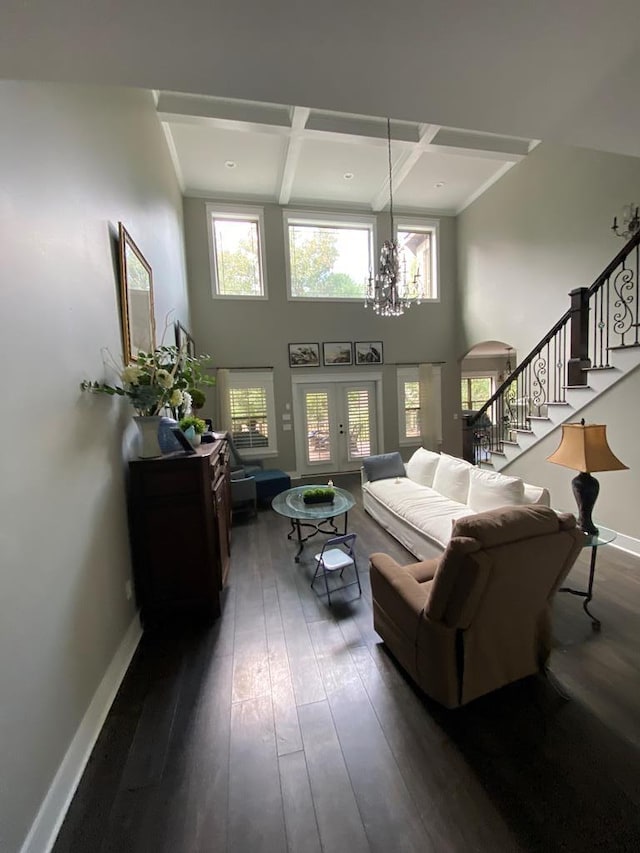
x: 391, y: 290
x: 390, y: 177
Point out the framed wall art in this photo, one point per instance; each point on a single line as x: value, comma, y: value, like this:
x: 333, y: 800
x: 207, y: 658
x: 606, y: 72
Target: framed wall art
x: 184, y: 339
x: 304, y: 355
x: 336, y: 353
x: 368, y: 352
x: 136, y: 299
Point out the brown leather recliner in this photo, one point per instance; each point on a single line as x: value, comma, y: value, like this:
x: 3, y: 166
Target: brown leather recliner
x: 479, y: 617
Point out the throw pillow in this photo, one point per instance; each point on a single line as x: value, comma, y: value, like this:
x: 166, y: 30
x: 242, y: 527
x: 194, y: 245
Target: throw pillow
x: 421, y: 468
x: 383, y: 466
x: 490, y: 490
x: 452, y: 478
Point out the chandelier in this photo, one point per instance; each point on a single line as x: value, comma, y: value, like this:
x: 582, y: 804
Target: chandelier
x: 391, y: 291
x: 630, y: 222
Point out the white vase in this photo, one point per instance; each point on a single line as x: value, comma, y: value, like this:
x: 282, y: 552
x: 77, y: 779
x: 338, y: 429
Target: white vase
x: 148, y: 447
x: 196, y: 440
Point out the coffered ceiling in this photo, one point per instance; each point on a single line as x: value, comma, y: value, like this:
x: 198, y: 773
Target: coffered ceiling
x: 297, y: 155
x: 562, y: 71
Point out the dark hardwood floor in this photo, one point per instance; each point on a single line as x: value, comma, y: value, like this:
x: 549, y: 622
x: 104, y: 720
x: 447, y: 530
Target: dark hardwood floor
x: 287, y: 726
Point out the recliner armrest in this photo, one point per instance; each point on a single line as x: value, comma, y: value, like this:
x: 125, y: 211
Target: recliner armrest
x: 397, y: 591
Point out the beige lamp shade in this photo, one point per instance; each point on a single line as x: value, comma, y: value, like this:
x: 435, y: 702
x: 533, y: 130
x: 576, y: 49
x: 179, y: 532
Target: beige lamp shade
x: 584, y: 447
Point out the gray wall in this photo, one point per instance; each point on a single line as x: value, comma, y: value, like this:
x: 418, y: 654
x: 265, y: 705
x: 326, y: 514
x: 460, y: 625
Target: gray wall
x: 239, y: 333
x: 541, y: 231
x: 536, y: 234
x: 73, y: 161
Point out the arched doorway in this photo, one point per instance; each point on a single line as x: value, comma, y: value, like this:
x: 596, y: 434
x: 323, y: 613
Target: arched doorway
x: 482, y: 370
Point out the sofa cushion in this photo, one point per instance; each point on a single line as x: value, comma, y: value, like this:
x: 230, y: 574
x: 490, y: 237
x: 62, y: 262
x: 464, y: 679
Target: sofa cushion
x: 490, y: 490
x: 421, y: 468
x: 383, y: 466
x: 452, y: 478
x: 420, y: 506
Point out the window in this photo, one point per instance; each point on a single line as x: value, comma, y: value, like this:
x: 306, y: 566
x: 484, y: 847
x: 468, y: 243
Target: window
x: 420, y: 424
x: 328, y: 256
x: 236, y: 252
x: 409, y: 405
x: 475, y: 391
x: 252, y: 412
x: 418, y: 241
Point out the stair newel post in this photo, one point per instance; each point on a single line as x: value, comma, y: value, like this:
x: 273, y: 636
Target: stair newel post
x: 579, y: 355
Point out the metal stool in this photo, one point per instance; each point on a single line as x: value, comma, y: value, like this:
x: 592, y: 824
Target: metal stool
x: 338, y: 553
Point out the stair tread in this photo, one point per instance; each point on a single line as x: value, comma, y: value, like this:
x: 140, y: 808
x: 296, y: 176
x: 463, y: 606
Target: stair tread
x: 540, y: 417
x: 577, y: 387
x: 601, y: 367
x: 558, y: 403
x: 626, y: 346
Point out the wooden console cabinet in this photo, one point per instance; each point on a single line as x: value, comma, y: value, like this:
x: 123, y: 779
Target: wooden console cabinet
x: 180, y: 523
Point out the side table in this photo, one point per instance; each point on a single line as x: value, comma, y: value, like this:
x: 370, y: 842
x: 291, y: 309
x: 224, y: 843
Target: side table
x: 593, y: 541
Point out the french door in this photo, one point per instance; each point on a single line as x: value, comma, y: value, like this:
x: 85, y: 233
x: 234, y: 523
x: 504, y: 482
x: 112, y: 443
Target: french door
x: 336, y: 425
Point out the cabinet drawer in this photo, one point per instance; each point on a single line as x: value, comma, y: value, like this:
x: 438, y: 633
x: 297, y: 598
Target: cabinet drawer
x: 166, y: 481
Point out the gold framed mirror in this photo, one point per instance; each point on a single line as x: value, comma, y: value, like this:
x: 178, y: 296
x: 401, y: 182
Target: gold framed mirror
x: 136, y: 299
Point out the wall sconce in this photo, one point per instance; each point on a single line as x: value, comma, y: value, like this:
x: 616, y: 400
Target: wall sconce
x: 630, y: 222
x: 584, y: 448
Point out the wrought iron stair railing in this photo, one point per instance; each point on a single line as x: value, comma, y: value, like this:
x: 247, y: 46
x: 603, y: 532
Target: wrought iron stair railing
x: 601, y: 318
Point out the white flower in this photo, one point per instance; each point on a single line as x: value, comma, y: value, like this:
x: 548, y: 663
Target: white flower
x: 164, y: 378
x: 131, y: 374
x: 186, y: 402
x: 176, y: 397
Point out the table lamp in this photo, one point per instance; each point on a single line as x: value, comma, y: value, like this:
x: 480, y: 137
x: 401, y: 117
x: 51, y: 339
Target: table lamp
x: 584, y: 448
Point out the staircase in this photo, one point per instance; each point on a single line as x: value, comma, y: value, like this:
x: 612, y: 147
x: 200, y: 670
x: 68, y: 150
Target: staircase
x: 593, y: 345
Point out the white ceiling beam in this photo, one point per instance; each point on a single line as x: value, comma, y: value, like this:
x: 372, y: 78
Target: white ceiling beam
x: 178, y: 107
x: 474, y: 152
x: 485, y: 186
x: 359, y: 126
x: 402, y: 166
x: 472, y: 143
x: 173, y: 153
x: 299, y: 117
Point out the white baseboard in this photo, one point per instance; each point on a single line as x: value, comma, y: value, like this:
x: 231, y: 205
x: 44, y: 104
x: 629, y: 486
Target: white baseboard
x: 46, y: 826
x: 627, y: 543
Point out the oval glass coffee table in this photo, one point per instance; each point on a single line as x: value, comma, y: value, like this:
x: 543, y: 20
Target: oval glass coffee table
x: 318, y: 516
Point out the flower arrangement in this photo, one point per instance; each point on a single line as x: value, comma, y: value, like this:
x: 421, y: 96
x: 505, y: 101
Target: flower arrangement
x: 157, y: 380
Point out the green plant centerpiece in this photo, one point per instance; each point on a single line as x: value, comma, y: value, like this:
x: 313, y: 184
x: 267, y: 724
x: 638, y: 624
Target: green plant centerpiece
x: 192, y: 422
x: 320, y: 495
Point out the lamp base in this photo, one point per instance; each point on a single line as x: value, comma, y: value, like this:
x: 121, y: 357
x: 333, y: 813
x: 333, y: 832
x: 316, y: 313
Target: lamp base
x: 585, y: 491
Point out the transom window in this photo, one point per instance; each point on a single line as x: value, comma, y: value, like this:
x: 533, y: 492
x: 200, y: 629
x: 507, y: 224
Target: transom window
x: 328, y: 256
x: 236, y: 252
x: 418, y: 242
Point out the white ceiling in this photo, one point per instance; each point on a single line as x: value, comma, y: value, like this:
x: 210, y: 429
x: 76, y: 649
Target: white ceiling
x: 294, y: 155
x: 557, y: 70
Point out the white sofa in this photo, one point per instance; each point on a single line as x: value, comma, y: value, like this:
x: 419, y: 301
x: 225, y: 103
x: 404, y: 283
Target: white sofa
x: 419, y: 502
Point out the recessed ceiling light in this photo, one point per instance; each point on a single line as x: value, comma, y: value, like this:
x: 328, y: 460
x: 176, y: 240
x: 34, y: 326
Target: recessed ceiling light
x: 348, y: 176
x: 439, y: 184
x: 230, y: 164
